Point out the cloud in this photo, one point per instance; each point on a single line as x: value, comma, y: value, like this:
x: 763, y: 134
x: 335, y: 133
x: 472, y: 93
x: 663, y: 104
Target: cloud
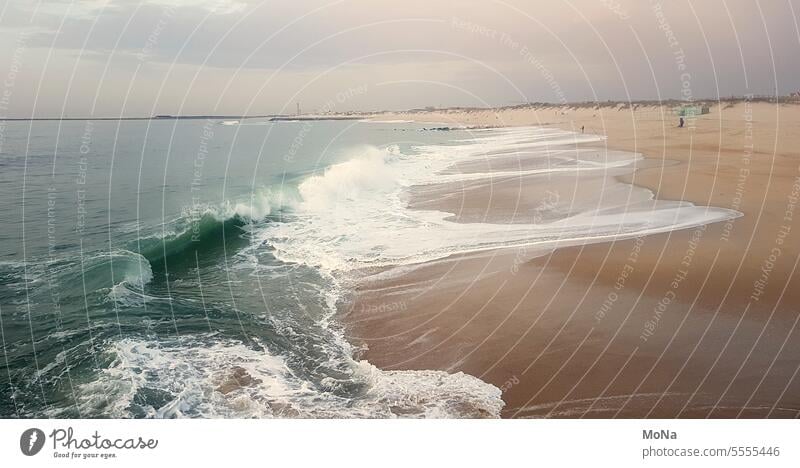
x: 504, y: 51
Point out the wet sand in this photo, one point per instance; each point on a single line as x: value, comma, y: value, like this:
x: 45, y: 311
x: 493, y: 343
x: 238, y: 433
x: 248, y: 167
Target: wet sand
x: 692, y: 323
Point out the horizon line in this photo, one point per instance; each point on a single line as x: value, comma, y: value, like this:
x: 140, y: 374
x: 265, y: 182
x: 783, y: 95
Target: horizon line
x: 794, y: 97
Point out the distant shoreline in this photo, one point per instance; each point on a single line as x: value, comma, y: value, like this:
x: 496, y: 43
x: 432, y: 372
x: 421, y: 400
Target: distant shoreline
x: 361, y: 114
x: 157, y: 117
x: 272, y: 118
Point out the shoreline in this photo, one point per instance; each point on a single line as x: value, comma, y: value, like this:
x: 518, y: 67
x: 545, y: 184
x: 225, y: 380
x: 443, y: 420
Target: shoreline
x: 560, y: 336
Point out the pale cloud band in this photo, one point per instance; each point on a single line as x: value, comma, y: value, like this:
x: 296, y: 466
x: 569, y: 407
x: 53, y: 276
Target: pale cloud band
x: 229, y: 57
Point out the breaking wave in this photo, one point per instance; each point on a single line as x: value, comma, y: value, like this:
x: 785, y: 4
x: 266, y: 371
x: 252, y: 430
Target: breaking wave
x: 209, y: 229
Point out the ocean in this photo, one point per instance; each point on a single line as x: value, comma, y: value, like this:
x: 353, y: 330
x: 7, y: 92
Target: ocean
x: 194, y: 268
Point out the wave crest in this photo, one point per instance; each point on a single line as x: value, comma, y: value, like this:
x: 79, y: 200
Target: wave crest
x: 367, y: 172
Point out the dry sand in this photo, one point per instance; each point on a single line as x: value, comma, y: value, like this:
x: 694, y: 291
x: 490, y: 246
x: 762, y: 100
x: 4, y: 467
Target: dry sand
x: 692, y: 323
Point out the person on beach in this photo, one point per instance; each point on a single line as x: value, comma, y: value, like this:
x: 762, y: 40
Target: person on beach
x: 680, y: 122
x: 582, y: 127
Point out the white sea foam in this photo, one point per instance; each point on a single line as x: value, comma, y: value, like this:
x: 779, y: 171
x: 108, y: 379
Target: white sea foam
x: 259, y: 204
x: 367, y: 175
x: 193, y: 376
x: 256, y: 206
x: 353, y: 215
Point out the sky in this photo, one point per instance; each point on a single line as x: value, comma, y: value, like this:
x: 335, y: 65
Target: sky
x: 111, y: 58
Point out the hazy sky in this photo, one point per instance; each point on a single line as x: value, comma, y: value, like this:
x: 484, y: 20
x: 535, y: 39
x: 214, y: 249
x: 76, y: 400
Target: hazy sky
x: 132, y: 58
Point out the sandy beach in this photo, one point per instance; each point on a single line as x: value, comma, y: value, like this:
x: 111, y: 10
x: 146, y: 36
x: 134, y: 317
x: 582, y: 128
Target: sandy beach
x: 698, y: 322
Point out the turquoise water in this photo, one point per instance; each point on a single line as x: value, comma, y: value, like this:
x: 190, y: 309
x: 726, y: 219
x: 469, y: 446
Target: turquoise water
x: 136, y: 278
